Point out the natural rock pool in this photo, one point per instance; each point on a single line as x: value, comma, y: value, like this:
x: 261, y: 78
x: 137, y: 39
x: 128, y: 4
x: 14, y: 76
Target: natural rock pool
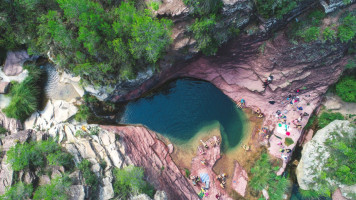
x: 181, y: 108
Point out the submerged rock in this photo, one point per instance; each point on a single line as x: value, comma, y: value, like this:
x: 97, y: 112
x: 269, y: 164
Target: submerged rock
x: 315, y: 155
x: 239, y: 179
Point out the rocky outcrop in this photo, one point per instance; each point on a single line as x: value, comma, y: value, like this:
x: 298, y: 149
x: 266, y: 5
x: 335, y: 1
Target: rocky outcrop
x: 55, y: 112
x: 11, y: 124
x: 144, y: 149
x: 315, y: 155
x: 332, y: 5
x: 14, y: 61
x: 4, y: 87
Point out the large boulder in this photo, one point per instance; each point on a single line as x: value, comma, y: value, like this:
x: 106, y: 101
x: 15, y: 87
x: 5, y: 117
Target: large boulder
x: 77, y: 192
x: 6, y: 174
x: 332, y: 5
x: 315, y: 155
x: 14, y: 61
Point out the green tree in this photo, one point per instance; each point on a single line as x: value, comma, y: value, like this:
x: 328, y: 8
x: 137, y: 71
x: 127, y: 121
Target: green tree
x: 19, y: 191
x: 274, y: 8
x: 129, y: 181
x: 57, y: 190
x: 327, y: 117
x: 346, y: 88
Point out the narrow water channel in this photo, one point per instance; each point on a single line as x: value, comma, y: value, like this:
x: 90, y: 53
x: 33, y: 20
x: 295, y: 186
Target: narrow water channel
x: 182, y: 107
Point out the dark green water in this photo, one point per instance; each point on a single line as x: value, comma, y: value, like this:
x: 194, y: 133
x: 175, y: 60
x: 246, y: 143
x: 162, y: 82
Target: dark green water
x: 183, y: 107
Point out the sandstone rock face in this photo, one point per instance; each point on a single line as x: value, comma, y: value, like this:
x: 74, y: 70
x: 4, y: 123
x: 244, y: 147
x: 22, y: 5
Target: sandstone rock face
x: 12, y: 125
x: 239, y: 180
x: 314, y: 156
x: 145, y: 150
x: 14, y: 61
x: 4, y: 87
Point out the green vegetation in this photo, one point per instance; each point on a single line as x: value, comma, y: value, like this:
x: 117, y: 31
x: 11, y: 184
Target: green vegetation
x: 37, y: 155
x: 347, y: 29
x: 264, y: 177
x: 18, y: 191
x: 24, y: 95
x: 311, y: 122
x: 89, y: 177
x: 83, y: 113
x: 309, y: 28
x: 340, y: 165
x: 327, y: 117
x: 204, y: 7
x: 102, y: 41
x: 275, y: 8
x: 205, y: 34
x: 187, y: 172
x: 346, y: 88
x: 308, y: 193
x: 289, y: 141
x: 56, y: 190
x: 3, y: 130
x: 129, y: 181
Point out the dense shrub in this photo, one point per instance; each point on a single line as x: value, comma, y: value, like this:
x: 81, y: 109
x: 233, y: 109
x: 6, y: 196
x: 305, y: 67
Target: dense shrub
x: 129, y: 181
x: 329, y: 34
x: 340, y: 165
x: 206, y: 34
x: 310, y: 34
x: 94, y: 39
x: 289, y: 141
x: 89, y: 177
x: 346, y: 31
x: 19, y: 191
x: 263, y: 175
x: 327, y: 117
x: 83, y: 113
x: 57, y: 190
x: 346, y: 88
x: 204, y: 7
x: 37, y: 154
x: 25, y: 95
x: 3, y: 130
x: 274, y: 8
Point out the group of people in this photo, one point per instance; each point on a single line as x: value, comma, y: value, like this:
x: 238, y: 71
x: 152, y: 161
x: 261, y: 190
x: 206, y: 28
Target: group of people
x: 195, y: 179
x: 267, y: 81
x: 222, y: 179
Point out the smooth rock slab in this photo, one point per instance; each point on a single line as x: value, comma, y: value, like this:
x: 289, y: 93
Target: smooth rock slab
x: 239, y: 180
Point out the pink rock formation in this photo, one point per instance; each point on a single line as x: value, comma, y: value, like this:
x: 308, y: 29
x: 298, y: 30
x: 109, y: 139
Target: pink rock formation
x: 240, y: 68
x: 146, y: 150
x: 239, y: 180
x: 14, y: 61
x: 210, y: 155
x: 337, y: 195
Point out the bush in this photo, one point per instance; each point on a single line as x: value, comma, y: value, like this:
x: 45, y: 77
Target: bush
x: 19, y: 191
x: 24, y: 98
x: 3, y: 130
x: 288, y: 141
x: 83, y: 113
x: 263, y: 176
x: 341, y: 163
x: 329, y: 34
x: 308, y: 193
x: 310, y: 34
x: 204, y: 7
x: 347, y: 30
x: 37, y: 154
x: 205, y: 33
x: 129, y: 181
x: 327, y: 117
x: 57, y: 190
x: 89, y: 177
x: 273, y: 8
x: 187, y: 172
x: 346, y: 88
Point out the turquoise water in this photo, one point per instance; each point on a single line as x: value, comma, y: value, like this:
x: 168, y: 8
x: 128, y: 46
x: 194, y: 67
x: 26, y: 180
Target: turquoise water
x: 183, y: 107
